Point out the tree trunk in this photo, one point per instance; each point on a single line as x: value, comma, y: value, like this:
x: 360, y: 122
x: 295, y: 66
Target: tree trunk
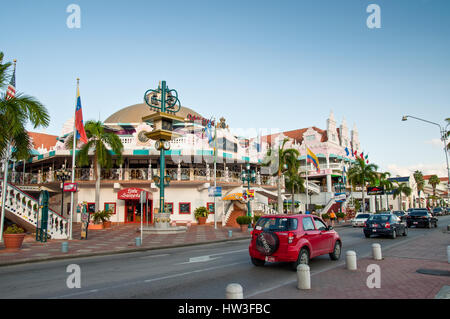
x: 97, y: 188
x: 293, y: 204
x: 363, y: 200
x: 280, y: 200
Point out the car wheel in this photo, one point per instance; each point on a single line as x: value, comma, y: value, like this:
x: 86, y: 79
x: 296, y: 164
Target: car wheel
x: 258, y: 262
x: 405, y: 232
x: 367, y: 235
x: 429, y: 224
x: 336, y: 254
x: 394, y: 234
x: 303, y: 258
x: 435, y: 224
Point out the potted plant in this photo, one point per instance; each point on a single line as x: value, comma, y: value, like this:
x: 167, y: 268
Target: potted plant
x: 255, y: 219
x: 13, y: 237
x: 201, y: 214
x: 340, y: 217
x: 96, y: 221
x: 326, y: 217
x: 105, y: 216
x: 244, y: 221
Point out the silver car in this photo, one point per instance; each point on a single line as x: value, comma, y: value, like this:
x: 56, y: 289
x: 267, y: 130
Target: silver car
x: 360, y: 219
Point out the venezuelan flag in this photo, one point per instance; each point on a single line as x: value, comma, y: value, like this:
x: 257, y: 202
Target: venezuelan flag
x: 312, y: 158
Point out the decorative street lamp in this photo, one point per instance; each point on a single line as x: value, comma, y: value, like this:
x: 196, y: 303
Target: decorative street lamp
x: 443, y: 132
x: 166, y: 104
x: 248, y: 176
x: 340, y: 186
x: 63, y: 175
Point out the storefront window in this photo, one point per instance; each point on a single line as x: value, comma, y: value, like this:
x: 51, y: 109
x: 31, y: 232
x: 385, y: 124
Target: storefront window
x: 210, y: 208
x: 169, y: 207
x: 185, y: 208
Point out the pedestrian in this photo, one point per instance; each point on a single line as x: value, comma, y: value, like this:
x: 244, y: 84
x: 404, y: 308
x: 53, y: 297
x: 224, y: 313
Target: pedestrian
x: 332, y: 217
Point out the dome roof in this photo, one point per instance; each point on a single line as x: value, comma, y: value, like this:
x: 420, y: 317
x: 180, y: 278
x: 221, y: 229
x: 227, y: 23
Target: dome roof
x: 135, y: 113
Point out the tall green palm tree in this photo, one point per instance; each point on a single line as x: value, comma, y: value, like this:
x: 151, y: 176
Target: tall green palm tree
x: 276, y: 160
x: 418, y: 177
x: 360, y: 174
x: 15, y: 114
x: 434, y: 181
x: 99, y: 142
x: 401, y: 189
x: 387, y: 185
x: 293, y: 179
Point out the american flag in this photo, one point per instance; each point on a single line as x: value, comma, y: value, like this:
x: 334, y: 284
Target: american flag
x: 11, y: 91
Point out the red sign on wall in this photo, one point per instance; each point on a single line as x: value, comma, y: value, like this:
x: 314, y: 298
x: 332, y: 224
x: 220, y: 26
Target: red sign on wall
x: 131, y: 193
x: 70, y: 187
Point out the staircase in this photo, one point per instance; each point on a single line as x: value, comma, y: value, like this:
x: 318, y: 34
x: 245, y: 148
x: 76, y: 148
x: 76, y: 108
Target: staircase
x: 256, y: 207
x: 22, y: 209
x: 313, y: 187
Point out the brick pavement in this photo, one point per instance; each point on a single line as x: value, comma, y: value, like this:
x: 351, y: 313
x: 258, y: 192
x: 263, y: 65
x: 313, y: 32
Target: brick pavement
x: 399, y: 277
x: 118, y: 239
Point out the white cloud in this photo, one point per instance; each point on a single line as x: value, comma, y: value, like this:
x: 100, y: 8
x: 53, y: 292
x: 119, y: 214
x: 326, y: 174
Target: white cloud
x: 436, y: 142
x: 426, y: 169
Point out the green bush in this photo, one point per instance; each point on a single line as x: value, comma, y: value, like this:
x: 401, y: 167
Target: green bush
x: 325, y: 216
x: 244, y: 220
x: 256, y: 218
x: 340, y: 215
x: 14, y: 229
x: 201, y: 211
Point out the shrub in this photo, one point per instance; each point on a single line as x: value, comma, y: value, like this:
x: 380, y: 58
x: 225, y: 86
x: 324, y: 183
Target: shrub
x: 256, y: 218
x: 326, y: 216
x: 243, y: 220
x: 201, y: 212
x: 14, y: 229
x: 340, y: 215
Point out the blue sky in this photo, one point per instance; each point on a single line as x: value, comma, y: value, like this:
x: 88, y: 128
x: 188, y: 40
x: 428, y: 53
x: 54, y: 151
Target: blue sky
x: 282, y: 64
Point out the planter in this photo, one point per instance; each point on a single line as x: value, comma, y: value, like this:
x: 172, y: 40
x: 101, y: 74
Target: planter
x: 244, y: 228
x: 95, y: 226
x: 107, y: 224
x: 202, y: 220
x: 13, y: 241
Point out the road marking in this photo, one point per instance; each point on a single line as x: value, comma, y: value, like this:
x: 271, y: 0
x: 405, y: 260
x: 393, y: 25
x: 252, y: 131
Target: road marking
x: 152, y: 256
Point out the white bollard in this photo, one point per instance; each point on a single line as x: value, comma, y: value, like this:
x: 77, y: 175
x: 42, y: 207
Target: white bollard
x: 234, y: 291
x: 376, y: 252
x: 448, y: 254
x: 303, y: 277
x: 351, y: 260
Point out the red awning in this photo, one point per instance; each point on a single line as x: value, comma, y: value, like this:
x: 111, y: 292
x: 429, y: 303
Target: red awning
x: 132, y: 193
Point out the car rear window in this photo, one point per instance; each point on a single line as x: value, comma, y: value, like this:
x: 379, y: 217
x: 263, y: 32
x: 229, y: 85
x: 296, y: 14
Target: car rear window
x: 399, y: 213
x: 379, y: 218
x: 418, y: 213
x: 362, y: 216
x: 276, y: 224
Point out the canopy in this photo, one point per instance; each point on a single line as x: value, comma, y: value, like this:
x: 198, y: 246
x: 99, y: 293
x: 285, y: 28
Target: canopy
x: 233, y: 196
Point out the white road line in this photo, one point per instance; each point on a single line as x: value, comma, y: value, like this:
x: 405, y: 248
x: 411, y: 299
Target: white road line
x: 152, y: 256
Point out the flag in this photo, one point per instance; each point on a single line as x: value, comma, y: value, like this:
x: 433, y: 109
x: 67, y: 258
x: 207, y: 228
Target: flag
x: 346, y: 151
x: 312, y: 158
x: 361, y: 155
x: 11, y: 90
x: 81, y: 133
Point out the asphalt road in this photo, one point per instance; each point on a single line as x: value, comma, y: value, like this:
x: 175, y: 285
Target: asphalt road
x: 200, y: 272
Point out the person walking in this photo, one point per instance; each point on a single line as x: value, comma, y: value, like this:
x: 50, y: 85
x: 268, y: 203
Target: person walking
x: 332, y: 217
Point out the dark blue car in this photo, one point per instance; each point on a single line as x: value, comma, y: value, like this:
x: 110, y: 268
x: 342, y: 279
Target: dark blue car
x: 385, y: 225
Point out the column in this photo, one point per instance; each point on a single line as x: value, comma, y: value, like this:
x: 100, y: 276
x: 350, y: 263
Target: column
x: 329, y: 190
x: 179, y: 172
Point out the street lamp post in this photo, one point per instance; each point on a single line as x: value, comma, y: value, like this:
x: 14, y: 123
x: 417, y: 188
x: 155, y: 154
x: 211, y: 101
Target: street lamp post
x: 62, y: 175
x: 248, y: 176
x: 340, y: 186
x: 443, y: 132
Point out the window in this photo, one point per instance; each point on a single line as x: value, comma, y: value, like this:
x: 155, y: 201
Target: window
x: 110, y: 206
x: 185, y: 208
x: 320, y: 225
x: 276, y: 224
x: 308, y: 224
x: 210, y: 207
x: 169, y: 207
x: 91, y: 208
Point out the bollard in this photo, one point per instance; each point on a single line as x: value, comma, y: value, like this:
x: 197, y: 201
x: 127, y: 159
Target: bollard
x: 138, y: 241
x: 351, y: 260
x: 448, y: 227
x: 303, y: 277
x: 230, y: 233
x: 376, y: 252
x: 64, y: 247
x: 234, y: 291
x: 448, y: 254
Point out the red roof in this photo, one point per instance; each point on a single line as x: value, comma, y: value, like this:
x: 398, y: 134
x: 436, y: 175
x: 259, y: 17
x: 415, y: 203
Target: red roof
x: 442, y: 179
x: 43, y: 140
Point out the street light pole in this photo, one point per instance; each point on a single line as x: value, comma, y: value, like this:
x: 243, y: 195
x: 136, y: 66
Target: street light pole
x: 248, y: 176
x: 63, y: 175
x: 443, y: 132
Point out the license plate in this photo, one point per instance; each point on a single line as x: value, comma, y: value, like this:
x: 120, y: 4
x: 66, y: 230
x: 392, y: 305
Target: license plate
x: 375, y: 225
x: 270, y: 259
x: 374, y: 230
x: 415, y: 223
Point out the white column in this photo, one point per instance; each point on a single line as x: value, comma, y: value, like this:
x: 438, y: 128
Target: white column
x: 329, y: 183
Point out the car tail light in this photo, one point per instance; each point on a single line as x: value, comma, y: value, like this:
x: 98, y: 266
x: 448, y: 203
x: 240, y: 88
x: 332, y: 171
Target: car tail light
x: 387, y: 225
x: 365, y: 224
x: 291, y: 237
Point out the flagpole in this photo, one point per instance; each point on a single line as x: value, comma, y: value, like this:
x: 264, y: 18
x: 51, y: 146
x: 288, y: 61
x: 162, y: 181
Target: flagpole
x: 5, y: 171
x: 215, y: 177
x: 73, y: 164
x: 306, y: 172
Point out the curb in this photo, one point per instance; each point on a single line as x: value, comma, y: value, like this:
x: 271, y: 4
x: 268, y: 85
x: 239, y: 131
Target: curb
x: 115, y: 252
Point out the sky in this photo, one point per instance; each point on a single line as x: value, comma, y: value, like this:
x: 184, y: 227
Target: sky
x: 260, y: 64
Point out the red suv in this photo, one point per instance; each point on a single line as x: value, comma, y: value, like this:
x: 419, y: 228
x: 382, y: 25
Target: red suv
x: 292, y: 238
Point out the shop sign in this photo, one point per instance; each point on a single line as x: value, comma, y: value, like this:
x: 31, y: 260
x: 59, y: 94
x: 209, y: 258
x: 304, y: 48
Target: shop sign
x: 215, y: 191
x: 130, y: 193
x: 375, y: 190
x: 194, y: 118
x: 70, y: 187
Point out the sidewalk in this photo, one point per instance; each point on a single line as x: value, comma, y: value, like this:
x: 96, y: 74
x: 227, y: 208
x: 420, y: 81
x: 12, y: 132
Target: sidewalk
x: 399, y: 277
x: 118, y: 239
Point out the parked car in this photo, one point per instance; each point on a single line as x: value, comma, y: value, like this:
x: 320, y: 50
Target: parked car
x: 385, y: 224
x: 421, y: 218
x: 400, y: 214
x: 439, y: 211
x: 359, y: 219
x: 293, y: 238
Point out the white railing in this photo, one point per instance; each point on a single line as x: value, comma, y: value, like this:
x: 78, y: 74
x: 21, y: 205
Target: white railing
x: 25, y: 207
x: 313, y: 187
x: 328, y: 206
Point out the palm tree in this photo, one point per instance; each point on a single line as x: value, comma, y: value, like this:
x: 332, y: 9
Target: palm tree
x: 99, y: 140
x: 434, y: 181
x: 360, y: 174
x: 401, y: 189
x: 418, y: 177
x: 293, y: 179
x: 277, y: 160
x: 15, y: 114
x: 386, y: 184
